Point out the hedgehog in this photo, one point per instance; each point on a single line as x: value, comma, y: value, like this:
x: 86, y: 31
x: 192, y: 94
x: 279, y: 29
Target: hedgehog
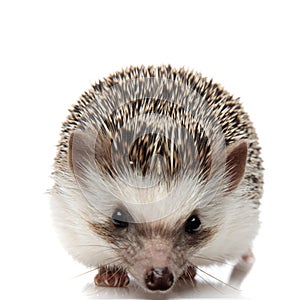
x: 158, y: 173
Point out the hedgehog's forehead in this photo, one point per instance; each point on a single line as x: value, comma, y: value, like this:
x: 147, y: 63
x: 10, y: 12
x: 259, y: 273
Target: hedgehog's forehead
x: 155, y: 202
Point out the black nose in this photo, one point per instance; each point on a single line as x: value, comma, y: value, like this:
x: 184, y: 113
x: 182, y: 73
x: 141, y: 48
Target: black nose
x: 159, y: 279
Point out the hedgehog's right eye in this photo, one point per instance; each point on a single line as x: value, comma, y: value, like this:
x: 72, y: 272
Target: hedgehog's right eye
x: 192, y: 224
x: 120, y: 218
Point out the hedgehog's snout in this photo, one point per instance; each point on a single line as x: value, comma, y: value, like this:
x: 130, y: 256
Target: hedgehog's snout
x: 160, y: 279
x: 155, y: 266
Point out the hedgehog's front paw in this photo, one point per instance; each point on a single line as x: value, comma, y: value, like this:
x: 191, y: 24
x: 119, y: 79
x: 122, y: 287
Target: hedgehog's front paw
x: 188, y: 274
x: 111, y: 277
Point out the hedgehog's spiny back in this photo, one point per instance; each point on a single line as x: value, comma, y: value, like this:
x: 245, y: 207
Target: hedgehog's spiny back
x: 103, y: 109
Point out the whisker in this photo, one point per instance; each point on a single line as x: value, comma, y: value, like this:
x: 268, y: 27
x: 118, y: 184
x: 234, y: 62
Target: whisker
x: 207, y: 282
x: 217, y: 279
x: 84, y: 273
x: 113, y: 261
x: 135, y: 286
x: 117, y: 270
x: 92, y: 245
x: 214, y: 260
x: 191, y: 278
x: 184, y: 280
x: 211, y: 285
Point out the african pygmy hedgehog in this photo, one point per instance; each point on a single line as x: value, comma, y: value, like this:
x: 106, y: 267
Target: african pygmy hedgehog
x: 158, y: 173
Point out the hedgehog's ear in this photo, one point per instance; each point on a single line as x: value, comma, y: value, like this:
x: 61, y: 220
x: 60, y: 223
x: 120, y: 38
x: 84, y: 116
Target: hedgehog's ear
x: 236, y: 160
x: 79, y: 152
x: 89, y: 151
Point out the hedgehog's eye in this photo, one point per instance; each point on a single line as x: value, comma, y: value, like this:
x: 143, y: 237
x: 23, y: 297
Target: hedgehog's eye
x: 120, y: 218
x: 192, y: 224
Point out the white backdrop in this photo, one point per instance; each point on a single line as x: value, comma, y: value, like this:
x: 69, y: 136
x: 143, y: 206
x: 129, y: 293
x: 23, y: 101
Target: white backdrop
x: 52, y: 51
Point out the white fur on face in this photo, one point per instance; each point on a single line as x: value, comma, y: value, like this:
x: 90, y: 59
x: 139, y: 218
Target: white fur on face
x: 73, y: 205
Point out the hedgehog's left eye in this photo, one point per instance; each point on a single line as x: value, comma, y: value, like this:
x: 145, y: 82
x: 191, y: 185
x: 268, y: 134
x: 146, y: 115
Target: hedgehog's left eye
x: 192, y: 224
x: 120, y: 218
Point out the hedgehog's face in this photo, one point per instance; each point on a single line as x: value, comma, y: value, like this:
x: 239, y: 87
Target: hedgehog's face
x: 192, y: 232
x: 155, y: 252
x: 157, y: 233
